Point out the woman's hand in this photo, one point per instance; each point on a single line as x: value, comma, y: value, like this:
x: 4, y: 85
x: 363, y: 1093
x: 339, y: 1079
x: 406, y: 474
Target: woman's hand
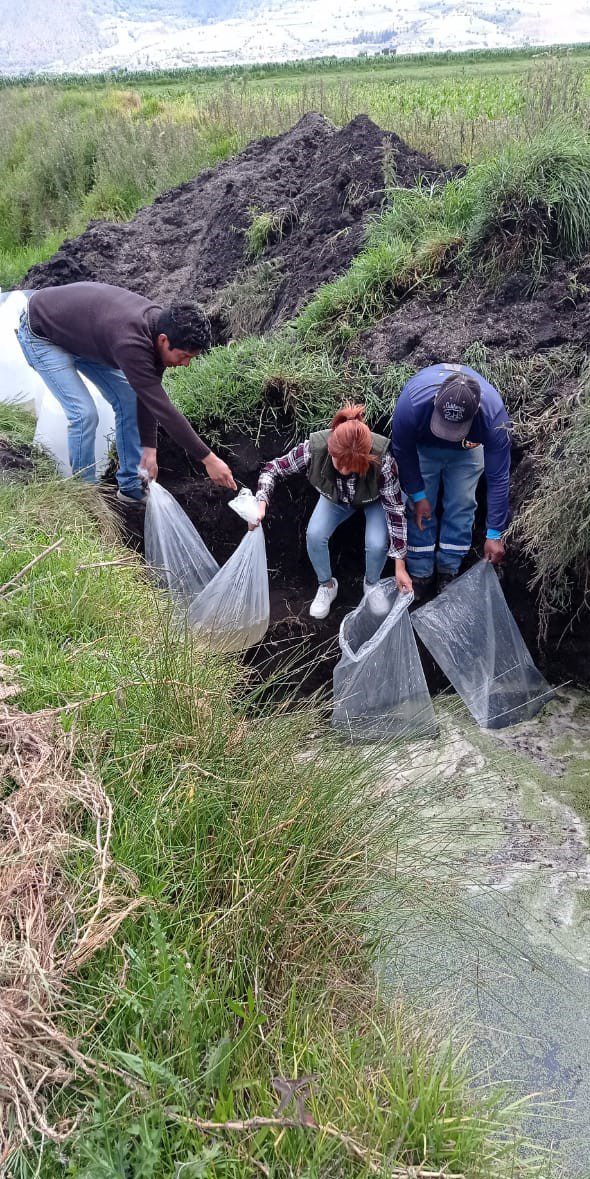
x: 261, y: 515
x: 402, y: 578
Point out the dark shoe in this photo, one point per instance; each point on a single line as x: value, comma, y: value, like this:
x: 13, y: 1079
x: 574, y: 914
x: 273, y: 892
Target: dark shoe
x: 422, y: 586
x: 443, y: 580
x: 135, y: 501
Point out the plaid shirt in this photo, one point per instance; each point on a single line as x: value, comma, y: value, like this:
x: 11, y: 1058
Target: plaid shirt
x: 297, y: 462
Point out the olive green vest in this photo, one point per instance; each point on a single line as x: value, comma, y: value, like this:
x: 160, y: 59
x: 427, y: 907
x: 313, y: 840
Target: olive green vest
x: 322, y: 472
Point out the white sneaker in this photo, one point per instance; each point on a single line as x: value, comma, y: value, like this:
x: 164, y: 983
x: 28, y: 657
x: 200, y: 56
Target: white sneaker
x: 320, y: 607
x: 378, y: 601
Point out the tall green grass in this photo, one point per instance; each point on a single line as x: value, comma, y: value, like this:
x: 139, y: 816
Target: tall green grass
x: 553, y: 526
x: 265, y: 859
x: 530, y: 204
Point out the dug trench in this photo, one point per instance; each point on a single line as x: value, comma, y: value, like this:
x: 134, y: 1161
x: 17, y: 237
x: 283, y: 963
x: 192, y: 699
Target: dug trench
x: 298, y: 654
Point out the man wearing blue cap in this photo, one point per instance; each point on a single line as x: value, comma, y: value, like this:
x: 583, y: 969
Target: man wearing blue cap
x: 450, y: 426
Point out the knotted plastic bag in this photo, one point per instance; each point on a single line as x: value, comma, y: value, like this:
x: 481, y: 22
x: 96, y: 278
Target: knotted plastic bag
x: 379, y: 686
x: 471, y: 633
x: 232, y: 612
x: 245, y: 505
x: 174, y: 549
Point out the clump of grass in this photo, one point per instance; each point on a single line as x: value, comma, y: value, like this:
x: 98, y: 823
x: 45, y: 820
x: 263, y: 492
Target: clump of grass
x: 407, y: 246
x: 247, y: 302
x: 17, y: 426
x: 553, y: 526
x: 253, y: 380
x: 267, y: 228
x: 528, y: 384
x: 530, y: 204
x: 15, y: 260
x: 60, y: 902
x: 256, y: 382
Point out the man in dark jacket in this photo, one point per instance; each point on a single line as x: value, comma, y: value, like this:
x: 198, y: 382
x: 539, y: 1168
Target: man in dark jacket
x: 450, y: 425
x: 122, y: 343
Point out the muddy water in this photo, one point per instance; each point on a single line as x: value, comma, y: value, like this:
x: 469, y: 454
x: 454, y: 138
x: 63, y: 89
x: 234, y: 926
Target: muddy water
x: 501, y: 934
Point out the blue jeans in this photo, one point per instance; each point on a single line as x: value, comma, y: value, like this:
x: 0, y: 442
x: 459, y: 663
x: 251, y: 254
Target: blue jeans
x: 61, y: 371
x: 325, y: 519
x: 460, y: 471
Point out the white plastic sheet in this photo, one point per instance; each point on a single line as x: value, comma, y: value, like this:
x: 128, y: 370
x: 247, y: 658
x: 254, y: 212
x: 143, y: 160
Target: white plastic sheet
x: 233, y: 611
x: 21, y: 385
x: 379, y: 687
x: 471, y: 633
x: 174, y: 548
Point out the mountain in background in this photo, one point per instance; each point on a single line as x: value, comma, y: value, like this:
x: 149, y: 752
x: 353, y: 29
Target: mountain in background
x: 90, y: 35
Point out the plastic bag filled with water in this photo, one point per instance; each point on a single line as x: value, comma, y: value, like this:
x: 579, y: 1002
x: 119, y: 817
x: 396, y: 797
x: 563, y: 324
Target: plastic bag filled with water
x: 173, y: 548
x: 232, y: 612
x: 471, y: 633
x: 379, y: 687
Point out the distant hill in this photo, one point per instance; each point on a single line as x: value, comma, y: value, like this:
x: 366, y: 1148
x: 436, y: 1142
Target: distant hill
x: 91, y: 35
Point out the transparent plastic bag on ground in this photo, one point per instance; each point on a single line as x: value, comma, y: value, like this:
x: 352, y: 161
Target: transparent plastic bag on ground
x: 232, y: 612
x: 471, y: 633
x: 379, y: 687
x: 174, y: 549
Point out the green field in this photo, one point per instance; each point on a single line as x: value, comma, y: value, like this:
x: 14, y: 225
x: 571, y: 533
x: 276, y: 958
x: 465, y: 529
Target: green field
x: 74, y: 149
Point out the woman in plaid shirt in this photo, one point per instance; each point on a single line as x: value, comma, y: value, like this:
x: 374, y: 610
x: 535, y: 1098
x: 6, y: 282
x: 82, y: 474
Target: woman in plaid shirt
x: 352, y: 468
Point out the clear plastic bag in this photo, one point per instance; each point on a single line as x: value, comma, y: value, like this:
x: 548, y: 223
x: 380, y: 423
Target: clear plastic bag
x: 379, y: 687
x: 233, y: 611
x: 471, y: 633
x: 174, y: 549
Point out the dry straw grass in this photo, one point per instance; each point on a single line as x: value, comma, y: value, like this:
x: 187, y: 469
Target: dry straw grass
x: 51, y: 920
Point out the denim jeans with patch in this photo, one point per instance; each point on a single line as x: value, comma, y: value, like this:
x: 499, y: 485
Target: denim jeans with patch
x: 62, y: 373
x: 460, y: 471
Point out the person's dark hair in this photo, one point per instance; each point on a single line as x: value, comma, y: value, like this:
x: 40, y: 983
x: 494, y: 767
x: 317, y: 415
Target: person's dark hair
x: 186, y: 326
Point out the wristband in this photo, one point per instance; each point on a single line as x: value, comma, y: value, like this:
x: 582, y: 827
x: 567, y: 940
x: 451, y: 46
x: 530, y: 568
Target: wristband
x: 418, y: 495
x: 493, y: 534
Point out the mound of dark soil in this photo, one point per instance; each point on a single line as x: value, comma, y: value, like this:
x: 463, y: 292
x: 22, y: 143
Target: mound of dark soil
x: 14, y: 461
x: 436, y: 326
x: 191, y: 242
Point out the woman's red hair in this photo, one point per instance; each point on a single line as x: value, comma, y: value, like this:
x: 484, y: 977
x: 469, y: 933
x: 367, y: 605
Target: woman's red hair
x: 351, y: 441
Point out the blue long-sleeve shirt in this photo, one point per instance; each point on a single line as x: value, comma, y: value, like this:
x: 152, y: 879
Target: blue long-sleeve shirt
x: 410, y: 428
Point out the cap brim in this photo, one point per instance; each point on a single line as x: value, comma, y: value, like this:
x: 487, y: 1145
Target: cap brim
x: 449, y: 431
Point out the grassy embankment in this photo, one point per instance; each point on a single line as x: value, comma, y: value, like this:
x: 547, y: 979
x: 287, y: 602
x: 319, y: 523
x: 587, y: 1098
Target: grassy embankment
x: 77, y: 149
x: 250, y: 956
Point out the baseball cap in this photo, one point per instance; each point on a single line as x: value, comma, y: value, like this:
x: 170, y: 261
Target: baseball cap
x: 455, y: 407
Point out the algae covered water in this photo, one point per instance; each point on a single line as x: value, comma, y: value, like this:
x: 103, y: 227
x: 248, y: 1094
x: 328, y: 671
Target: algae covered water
x: 502, y: 934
